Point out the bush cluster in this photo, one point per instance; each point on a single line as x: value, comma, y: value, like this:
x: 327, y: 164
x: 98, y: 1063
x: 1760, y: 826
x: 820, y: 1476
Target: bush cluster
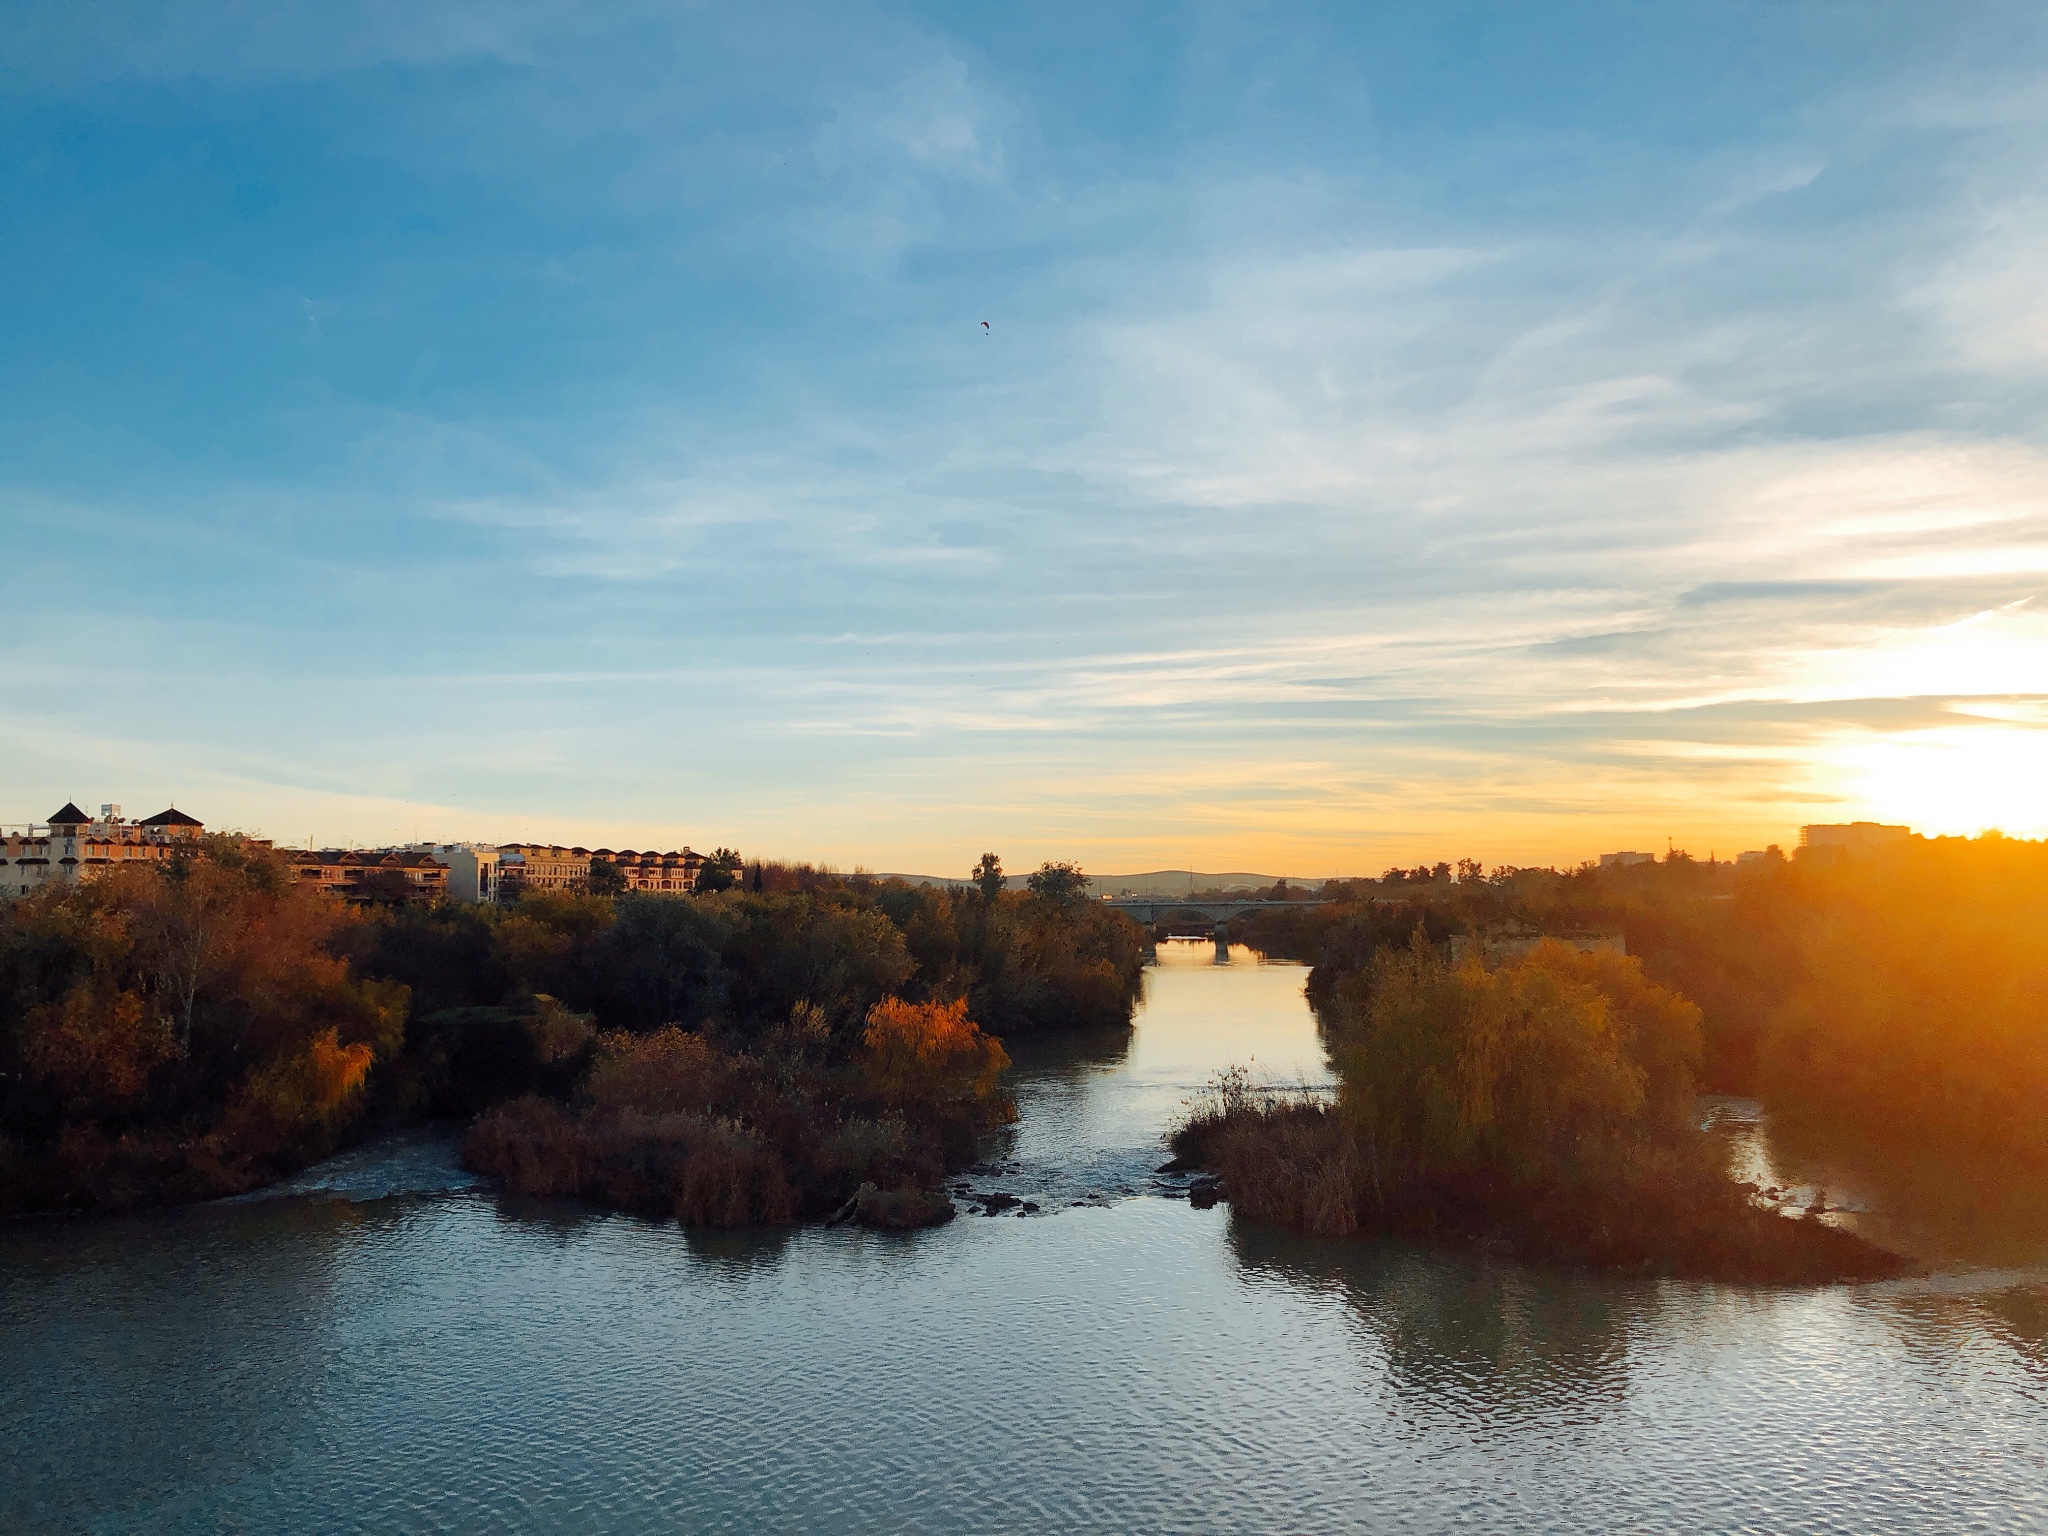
x: 179, y: 1032
x: 1544, y: 1103
x: 670, y: 1124
x: 202, y: 1027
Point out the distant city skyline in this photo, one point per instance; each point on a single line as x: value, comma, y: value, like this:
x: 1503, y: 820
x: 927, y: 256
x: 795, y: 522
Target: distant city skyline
x: 1398, y: 434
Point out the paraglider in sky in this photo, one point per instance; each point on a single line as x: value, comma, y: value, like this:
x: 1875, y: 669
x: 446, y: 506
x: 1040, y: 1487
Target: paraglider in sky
x: 984, y: 325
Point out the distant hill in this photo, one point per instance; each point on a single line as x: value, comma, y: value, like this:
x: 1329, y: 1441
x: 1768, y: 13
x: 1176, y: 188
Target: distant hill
x: 1153, y: 883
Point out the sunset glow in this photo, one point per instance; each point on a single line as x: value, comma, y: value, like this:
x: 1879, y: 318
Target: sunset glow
x: 1555, y: 450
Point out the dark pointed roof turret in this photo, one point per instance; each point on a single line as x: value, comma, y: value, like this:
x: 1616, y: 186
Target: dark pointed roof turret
x: 171, y: 818
x: 70, y: 816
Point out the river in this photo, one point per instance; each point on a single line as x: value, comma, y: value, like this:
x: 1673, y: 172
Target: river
x: 385, y: 1346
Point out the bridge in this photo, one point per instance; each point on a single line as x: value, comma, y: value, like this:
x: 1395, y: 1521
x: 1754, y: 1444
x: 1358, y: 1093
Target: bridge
x: 1153, y: 910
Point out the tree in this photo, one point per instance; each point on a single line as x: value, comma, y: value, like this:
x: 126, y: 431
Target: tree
x: 659, y: 962
x: 988, y: 875
x: 606, y: 878
x: 721, y: 871
x: 385, y: 888
x: 926, y: 1052
x: 185, y: 922
x: 1063, y: 884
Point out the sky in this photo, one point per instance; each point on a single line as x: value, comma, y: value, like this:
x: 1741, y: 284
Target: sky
x: 1399, y: 432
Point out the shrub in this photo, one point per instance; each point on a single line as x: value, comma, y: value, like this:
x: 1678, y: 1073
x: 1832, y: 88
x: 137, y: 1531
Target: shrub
x: 902, y: 1208
x: 931, y: 1053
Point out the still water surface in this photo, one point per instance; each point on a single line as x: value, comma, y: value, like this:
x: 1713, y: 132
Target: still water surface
x: 387, y: 1347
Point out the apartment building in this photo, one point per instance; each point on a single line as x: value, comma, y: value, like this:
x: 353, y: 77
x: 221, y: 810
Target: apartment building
x: 541, y: 867
x: 353, y: 873
x: 472, y: 868
x: 550, y: 867
x: 72, y: 846
x: 674, y: 871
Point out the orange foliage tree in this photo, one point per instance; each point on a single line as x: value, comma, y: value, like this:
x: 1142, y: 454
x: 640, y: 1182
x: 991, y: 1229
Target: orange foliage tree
x: 931, y: 1051
x: 179, y: 1031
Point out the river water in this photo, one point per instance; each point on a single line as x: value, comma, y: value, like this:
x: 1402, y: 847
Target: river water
x: 384, y: 1346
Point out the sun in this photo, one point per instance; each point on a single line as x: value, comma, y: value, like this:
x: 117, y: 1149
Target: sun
x: 1964, y: 778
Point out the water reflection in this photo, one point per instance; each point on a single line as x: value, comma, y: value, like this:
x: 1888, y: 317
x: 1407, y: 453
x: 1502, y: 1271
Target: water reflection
x: 2018, y: 1317
x: 1491, y: 1344
x: 1947, y: 1210
x: 738, y: 1255
x: 1092, y: 1107
x: 342, y: 1361
x: 119, y: 1352
x: 1069, y: 1055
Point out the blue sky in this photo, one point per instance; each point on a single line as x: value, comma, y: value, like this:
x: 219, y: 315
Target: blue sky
x: 1400, y: 432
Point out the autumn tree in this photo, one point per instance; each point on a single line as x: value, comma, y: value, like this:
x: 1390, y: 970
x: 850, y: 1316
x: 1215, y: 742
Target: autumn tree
x: 926, y: 1052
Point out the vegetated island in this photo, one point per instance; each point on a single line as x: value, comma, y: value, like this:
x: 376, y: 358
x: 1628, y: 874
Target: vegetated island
x: 1892, y: 1003
x: 1544, y: 1106
x: 823, y: 1045
x: 817, y: 1045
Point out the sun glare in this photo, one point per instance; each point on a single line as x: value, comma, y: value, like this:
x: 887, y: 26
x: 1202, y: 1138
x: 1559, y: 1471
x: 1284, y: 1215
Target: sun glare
x: 1952, y: 779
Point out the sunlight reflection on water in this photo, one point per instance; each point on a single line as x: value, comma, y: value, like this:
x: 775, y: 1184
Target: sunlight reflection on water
x: 450, y: 1361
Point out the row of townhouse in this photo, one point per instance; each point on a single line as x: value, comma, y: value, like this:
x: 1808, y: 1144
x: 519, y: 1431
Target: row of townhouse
x: 550, y: 867
x: 482, y: 872
x: 73, y: 846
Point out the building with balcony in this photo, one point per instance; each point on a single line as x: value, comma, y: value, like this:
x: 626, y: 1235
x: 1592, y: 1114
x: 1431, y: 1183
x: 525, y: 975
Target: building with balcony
x: 371, y: 874
x: 673, y: 872
x: 550, y: 867
x: 72, y: 846
x: 541, y: 867
x: 472, y: 868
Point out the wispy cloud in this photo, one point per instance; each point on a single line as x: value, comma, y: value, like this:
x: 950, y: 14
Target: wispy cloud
x: 597, y: 409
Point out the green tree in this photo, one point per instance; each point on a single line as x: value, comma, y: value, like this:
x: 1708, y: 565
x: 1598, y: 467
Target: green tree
x: 1063, y: 884
x: 721, y: 872
x: 988, y: 875
x: 605, y: 879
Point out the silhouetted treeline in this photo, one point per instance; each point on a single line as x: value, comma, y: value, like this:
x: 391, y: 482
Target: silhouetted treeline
x: 203, y: 1027
x: 1897, y: 996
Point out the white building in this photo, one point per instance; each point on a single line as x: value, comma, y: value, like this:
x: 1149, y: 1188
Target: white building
x: 72, y: 846
x: 472, y: 868
x: 1614, y: 860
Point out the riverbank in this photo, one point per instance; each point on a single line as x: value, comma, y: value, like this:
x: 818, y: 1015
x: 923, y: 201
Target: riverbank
x: 1298, y: 1165
x: 138, y: 1071
x: 461, y: 1358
